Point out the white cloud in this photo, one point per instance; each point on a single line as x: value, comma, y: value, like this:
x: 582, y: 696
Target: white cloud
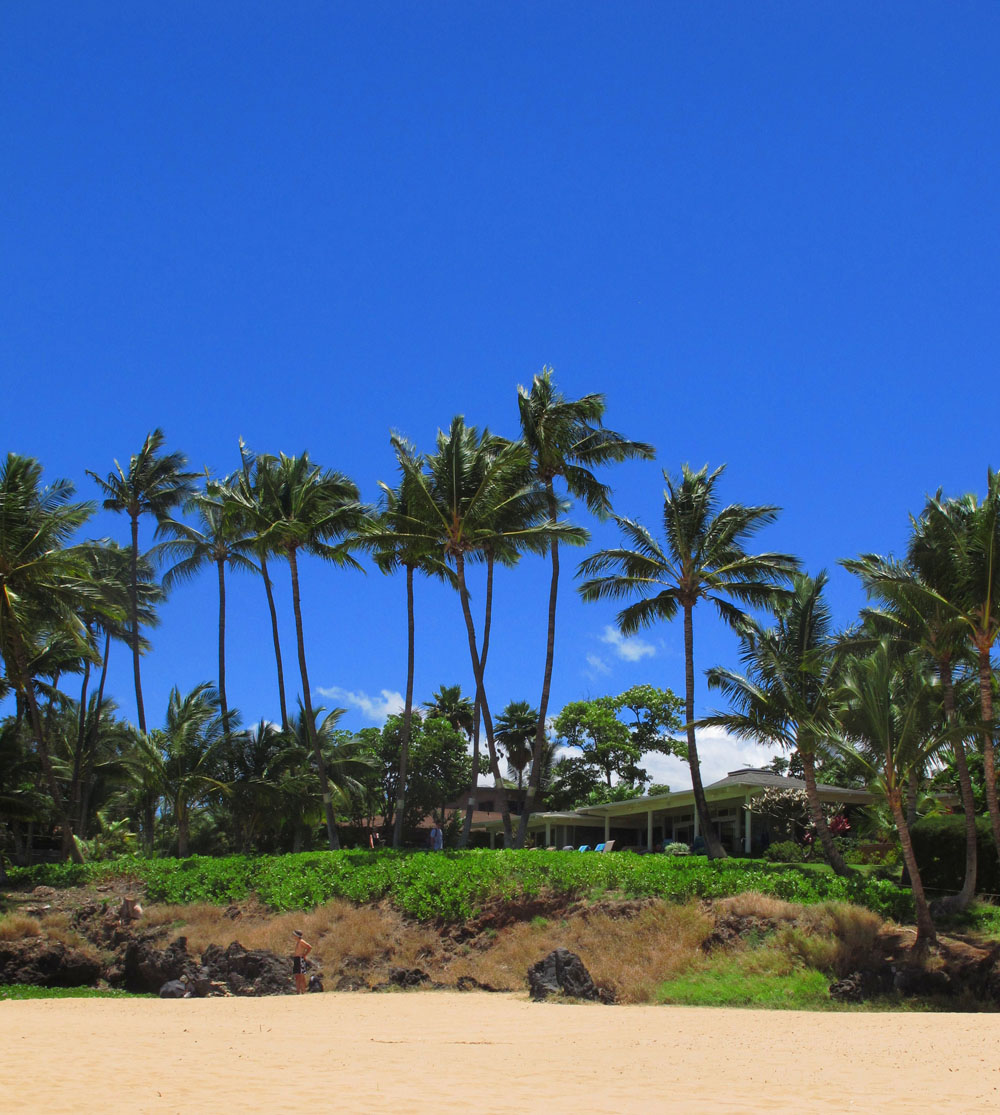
x: 375, y: 709
x: 632, y: 649
x: 598, y: 667
x: 718, y: 754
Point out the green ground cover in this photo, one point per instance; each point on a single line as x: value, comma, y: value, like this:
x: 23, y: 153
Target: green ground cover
x: 29, y: 991
x: 456, y: 885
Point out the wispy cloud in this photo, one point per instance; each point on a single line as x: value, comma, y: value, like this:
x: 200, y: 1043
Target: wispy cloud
x: 718, y: 752
x: 632, y: 649
x: 375, y: 709
x: 598, y: 667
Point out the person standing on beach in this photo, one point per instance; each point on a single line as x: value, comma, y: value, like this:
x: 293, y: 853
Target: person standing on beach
x: 302, y: 950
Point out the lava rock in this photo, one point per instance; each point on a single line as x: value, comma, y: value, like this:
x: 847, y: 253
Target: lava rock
x: 248, y: 971
x: 563, y: 973
x: 45, y: 963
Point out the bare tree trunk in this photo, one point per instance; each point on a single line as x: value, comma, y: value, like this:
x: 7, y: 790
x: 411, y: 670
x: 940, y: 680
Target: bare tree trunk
x: 277, y: 642
x: 477, y: 669
x: 989, y: 761
x: 534, y: 778
x: 134, y: 633
x: 830, y: 849
x: 404, y: 743
x: 712, y: 844
x: 961, y: 900
x: 324, y: 781
x: 223, y: 703
x: 477, y: 715
x: 925, y: 926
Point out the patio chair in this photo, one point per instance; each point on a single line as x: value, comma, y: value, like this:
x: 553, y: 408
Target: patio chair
x: 599, y: 848
x: 607, y: 846
x: 584, y: 847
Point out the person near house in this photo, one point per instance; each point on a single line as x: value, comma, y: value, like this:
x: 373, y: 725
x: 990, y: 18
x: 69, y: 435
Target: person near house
x: 437, y: 838
x: 302, y: 950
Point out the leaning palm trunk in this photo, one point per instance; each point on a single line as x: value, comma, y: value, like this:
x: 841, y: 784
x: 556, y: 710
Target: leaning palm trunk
x: 961, y: 900
x: 223, y: 703
x: 989, y: 761
x: 331, y: 825
x: 830, y: 850
x: 925, y: 926
x: 477, y: 669
x: 534, y: 779
x: 478, y: 713
x: 134, y: 633
x: 404, y: 743
x: 93, y: 728
x: 81, y: 743
x: 277, y: 642
x: 712, y: 842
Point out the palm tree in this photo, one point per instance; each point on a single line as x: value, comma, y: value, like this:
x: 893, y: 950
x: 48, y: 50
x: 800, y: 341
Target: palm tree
x: 916, y: 610
x: 221, y: 538
x: 477, y: 493
x: 304, y: 508
x: 43, y: 582
x: 703, y: 560
x: 566, y: 439
x: 891, y: 706
x: 793, y: 677
x: 516, y: 731
x: 250, y: 484
x: 153, y: 484
x: 394, y: 549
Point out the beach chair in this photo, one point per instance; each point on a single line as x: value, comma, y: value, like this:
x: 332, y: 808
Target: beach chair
x: 584, y: 847
x: 607, y: 846
x: 599, y: 848
x: 568, y: 848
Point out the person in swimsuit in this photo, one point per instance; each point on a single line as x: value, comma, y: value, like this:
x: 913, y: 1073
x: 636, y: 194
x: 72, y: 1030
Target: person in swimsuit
x: 302, y: 950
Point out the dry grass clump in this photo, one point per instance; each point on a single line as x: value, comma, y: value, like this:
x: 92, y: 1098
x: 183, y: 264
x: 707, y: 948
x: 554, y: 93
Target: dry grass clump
x: 753, y: 905
x: 14, y: 927
x: 57, y: 927
x: 629, y: 956
x: 835, y: 937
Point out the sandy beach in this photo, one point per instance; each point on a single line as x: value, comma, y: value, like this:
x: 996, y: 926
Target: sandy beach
x: 424, y: 1052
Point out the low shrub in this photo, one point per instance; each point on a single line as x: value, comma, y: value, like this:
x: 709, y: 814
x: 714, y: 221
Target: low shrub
x: 677, y: 849
x: 785, y: 851
x: 939, y: 845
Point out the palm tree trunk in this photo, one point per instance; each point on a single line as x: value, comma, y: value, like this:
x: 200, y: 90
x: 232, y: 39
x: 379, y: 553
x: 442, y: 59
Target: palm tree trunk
x: 93, y: 728
x: 404, y: 743
x: 134, y: 633
x: 477, y: 669
x: 712, y: 843
x: 223, y: 703
x: 961, y: 900
x: 331, y: 825
x: 925, y: 926
x: 534, y: 778
x: 989, y: 761
x: 477, y: 715
x: 81, y: 740
x: 277, y: 641
x: 830, y: 849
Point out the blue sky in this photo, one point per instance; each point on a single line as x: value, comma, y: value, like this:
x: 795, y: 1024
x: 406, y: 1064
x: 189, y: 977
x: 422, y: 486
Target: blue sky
x: 767, y: 232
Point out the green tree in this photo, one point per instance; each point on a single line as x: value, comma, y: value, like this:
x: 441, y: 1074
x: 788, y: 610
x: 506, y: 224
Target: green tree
x: 787, y: 695
x: 43, y: 581
x: 567, y: 440
x: 703, y: 559
x: 219, y: 538
x: 153, y: 484
x: 306, y: 509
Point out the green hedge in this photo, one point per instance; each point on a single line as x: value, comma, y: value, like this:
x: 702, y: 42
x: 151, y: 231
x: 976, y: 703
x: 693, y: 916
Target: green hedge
x: 455, y: 885
x: 939, y: 845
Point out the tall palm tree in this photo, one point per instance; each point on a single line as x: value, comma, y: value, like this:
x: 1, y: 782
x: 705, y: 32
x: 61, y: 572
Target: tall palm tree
x: 891, y: 706
x: 477, y: 493
x: 792, y: 681
x: 306, y: 509
x: 250, y: 483
x: 153, y: 484
x: 516, y: 732
x: 567, y: 440
x: 221, y: 538
x: 393, y: 549
x: 916, y: 610
x: 703, y: 559
x: 43, y: 581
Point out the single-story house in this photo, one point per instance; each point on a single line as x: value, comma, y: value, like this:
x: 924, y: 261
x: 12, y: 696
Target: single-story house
x: 644, y: 822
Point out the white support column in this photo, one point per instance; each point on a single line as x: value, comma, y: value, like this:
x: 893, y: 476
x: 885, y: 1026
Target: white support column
x: 697, y: 832
x: 548, y: 834
x: 493, y: 840
x: 746, y: 828
x: 649, y: 829
x: 607, y: 827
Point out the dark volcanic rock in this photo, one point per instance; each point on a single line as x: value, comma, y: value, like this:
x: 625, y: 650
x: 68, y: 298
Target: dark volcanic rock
x: 248, y: 971
x: 175, y: 989
x: 148, y: 968
x: 407, y: 977
x: 46, y: 963
x: 562, y: 973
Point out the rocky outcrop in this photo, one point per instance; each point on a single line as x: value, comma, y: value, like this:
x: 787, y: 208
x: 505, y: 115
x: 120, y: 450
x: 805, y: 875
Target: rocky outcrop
x: 248, y: 971
x: 563, y: 973
x: 47, y: 963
